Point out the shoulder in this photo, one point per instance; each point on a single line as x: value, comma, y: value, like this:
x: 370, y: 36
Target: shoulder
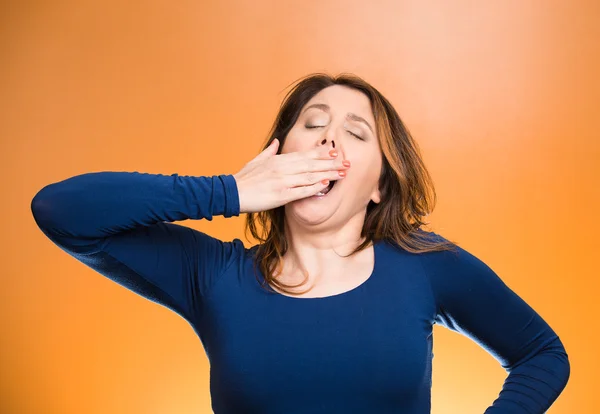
x: 458, y: 275
x: 449, y: 266
x: 429, y: 245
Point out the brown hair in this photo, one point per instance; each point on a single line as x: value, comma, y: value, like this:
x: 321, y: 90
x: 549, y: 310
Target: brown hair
x: 407, y: 193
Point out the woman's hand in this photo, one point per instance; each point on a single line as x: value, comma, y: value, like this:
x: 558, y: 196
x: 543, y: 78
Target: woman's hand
x: 271, y: 180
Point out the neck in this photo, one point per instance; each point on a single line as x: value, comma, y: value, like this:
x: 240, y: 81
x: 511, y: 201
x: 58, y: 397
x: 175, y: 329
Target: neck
x: 320, y: 252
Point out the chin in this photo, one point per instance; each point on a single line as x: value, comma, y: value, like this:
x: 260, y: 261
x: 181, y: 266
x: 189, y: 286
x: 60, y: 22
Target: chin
x: 309, y: 212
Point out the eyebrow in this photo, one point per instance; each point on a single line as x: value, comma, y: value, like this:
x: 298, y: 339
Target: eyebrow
x: 350, y: 115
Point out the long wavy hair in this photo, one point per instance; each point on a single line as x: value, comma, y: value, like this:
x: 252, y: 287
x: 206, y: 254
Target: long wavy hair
x: 407, y: 192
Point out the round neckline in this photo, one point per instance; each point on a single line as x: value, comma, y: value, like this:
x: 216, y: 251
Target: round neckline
x: 349, y: 292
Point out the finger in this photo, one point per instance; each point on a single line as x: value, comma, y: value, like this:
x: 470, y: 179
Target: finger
x: 314, y: 165
x: 318, y: 153
x: 322, y: 152
x: 320, y: 158
x: 311, y: 178
x: 296, y: 193
x: 269, y: 151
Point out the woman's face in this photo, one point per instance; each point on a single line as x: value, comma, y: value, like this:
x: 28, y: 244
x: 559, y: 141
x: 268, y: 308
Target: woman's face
x: 355, y: 141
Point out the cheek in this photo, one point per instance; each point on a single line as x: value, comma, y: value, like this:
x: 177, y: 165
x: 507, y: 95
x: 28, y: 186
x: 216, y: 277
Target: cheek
x: 366, y: 172
x: 286, y: 147
x: 292, y: 143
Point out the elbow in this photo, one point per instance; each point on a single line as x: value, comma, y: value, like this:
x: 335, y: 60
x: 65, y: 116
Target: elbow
x: 552, y: 359
x: 40, y: 207
x: 567, y: 371
x: 566, y: 367
x: 48, y: 208
x: 38, y: 201
x: 561, y: 365
x: 563, y: 373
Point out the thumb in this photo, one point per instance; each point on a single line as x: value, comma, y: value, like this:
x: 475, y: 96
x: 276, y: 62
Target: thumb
x: 269, y: 151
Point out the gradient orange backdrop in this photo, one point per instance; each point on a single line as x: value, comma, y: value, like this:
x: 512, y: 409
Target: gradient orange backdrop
x: 502, y: 97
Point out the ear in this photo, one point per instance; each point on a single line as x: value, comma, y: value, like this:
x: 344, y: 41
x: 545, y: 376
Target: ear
x: 376, y: 195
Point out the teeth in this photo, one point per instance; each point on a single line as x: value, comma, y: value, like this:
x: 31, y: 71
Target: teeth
x: 328, y: 189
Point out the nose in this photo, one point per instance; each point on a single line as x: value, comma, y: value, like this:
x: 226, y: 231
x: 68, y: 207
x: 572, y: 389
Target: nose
x: 324, y: 142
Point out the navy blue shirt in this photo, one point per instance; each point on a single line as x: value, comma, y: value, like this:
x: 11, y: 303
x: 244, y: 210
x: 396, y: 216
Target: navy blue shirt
x: 366, y: 350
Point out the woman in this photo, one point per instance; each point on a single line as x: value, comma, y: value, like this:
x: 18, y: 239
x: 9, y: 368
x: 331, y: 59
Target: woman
x: 358, y: 339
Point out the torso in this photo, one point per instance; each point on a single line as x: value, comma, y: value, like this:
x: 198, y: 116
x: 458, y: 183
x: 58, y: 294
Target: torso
x: 367, y: 350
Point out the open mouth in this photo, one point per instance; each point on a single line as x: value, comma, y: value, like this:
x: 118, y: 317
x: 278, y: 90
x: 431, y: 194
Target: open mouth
x: 327, y: 189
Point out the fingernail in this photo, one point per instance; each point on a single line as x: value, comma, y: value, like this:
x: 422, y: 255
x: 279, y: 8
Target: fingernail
x: 346, y: 163
x: 333, y: 153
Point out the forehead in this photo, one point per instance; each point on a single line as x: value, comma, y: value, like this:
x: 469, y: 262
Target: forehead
x: 343, y: 99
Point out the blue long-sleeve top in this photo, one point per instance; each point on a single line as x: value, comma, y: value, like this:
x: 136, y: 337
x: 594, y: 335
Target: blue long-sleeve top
x: 367, y: 350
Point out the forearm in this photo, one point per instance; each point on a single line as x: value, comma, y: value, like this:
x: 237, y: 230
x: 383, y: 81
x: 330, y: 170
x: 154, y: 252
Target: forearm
x: 101, y: 204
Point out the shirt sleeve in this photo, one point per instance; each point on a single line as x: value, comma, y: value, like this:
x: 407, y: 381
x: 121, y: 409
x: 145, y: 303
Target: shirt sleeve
x: 120, y: 224
x: 471, y: 299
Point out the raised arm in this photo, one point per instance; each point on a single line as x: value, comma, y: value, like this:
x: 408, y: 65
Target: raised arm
x: 474, y: 301
x: 119, y: 224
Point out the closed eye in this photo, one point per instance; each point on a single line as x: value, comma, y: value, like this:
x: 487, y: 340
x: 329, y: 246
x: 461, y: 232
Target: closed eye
x: 321, y: 126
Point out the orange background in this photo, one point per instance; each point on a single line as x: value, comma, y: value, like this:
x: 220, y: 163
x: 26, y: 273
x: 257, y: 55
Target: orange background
x: 502, y: 98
